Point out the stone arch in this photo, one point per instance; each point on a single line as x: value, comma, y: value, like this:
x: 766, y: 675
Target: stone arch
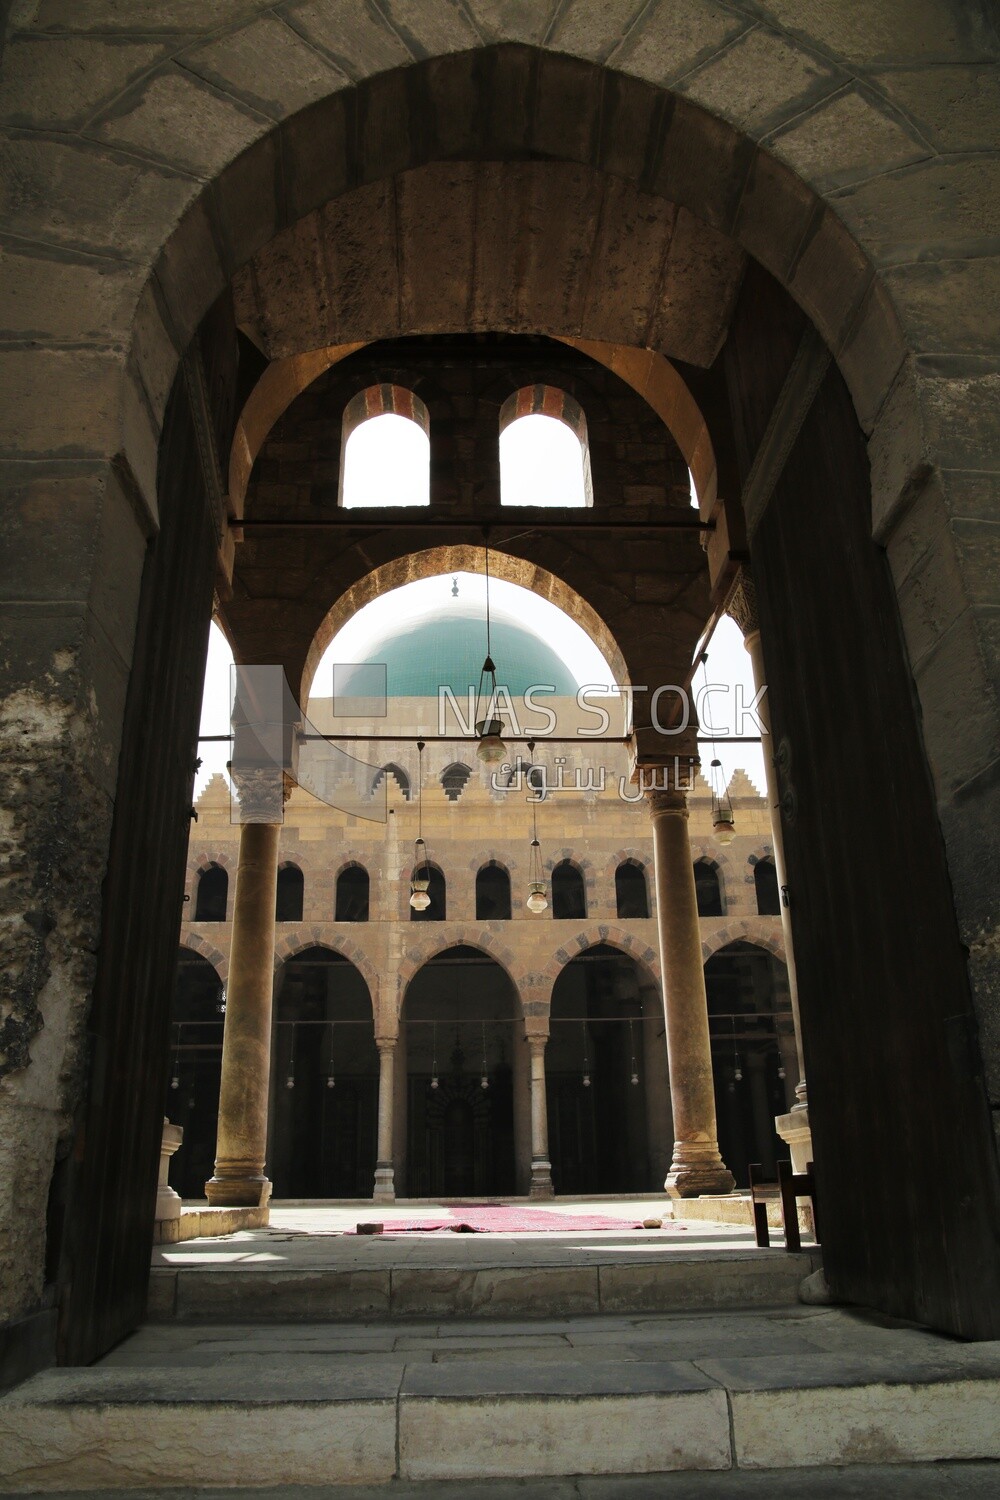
x: 763, y: 932
x: 288, y: 947
x: 461, y: 558
x: 456, y: 935
x: 204, y: 949
x: 927, y: 416
x: 604, y: 932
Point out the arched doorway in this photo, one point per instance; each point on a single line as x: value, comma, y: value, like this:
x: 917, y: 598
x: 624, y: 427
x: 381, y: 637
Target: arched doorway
x: 196, y: 1023
x: 462, y: 1045
x: 324, y: 1080
x: 753, y: 1054
x: 903, y: 975
x: 606, y: 1077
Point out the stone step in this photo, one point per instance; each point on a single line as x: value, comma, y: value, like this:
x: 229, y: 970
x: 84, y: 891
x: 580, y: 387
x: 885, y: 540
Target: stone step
x: 375, y: 1419
x: 376, y: 1285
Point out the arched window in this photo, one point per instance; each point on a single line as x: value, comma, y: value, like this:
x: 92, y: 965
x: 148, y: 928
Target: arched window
x: 630, y: 890
x: 386, y: 449
x: 765, y: 878
x: 492, y: 893
x: 213, y: 891
x: 402, y: 780
x: 437, y: 892
x: 544, y: 457
x: 453, y: 780
x: 288, y: 900
x: 352, y: 895
x: 569, y: 896
x: 707, y: 888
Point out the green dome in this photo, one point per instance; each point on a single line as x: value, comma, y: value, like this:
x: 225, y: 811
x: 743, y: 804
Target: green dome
x: 447, y: 649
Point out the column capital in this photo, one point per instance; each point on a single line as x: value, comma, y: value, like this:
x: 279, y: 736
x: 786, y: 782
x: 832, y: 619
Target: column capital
x: 262, y: 792
x: 666, y: 801
x: 742, y: 602
x: 386, y: 1043
x: 537, y: 1042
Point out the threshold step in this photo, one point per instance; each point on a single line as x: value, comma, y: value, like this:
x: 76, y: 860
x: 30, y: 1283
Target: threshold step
x: 376, y: 1286
x: 357, y: 1420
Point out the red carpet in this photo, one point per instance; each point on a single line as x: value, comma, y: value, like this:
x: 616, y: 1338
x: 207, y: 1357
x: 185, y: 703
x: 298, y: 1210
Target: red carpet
x: 502, y: 1218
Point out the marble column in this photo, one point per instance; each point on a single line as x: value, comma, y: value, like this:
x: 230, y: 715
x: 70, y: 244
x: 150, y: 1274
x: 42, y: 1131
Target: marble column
x: 697, y: 1166
x: 794, y: 1126
x: 241, y: 1145
x: 385, y: 1191
x: 541, y: 1167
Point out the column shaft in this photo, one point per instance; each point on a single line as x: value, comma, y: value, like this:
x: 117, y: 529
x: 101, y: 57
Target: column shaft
x: 246, y: 1047
x: 385, y: 1191
x: 697, y: 1166
x: 541, y: 1167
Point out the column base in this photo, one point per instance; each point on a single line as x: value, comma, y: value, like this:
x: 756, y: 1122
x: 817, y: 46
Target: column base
x: 541, y: 1179
x: 251, y: 1190
x: 794, y: 1130
x: 697, y: 1170
x: 385, y: 1190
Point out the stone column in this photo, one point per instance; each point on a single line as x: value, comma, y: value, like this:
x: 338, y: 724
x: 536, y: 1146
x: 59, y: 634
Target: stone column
x: 743, y: 609
x: 697, y: 1166
x: 541, y: 1167
x: 385, y: 1191
x: 241, y: 1145
x: 168, y: 1203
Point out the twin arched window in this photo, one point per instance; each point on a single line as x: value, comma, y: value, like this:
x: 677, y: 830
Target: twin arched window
x: 212, y: 895
x: 631, y: 893
x: 437, y: 891
x: 289, y: 895
x: 765, y: 879
x: 492, y: 893
x: 544, y: 455
x: 707, y: 888
x: 352, y: 895
x: 569, y: 894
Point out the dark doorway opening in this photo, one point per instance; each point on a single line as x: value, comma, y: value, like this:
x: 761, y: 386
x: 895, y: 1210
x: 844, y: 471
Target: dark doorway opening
x: 753, y: 1054
x: 459, y: 1023
x: 606, y: 1078
x: 324, y: 1080
x: 197, y: 1019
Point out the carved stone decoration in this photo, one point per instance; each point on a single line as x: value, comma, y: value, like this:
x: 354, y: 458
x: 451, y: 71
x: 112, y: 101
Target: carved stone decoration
x: 742, y: 603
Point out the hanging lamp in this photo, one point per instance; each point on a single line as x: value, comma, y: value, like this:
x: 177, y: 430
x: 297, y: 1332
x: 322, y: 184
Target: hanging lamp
x: 331, y: 1079
x: 484, y: 1077
x: 435, y: 1081
x: 586, y: 1059
x: 634, y: 1076
x: 489, y: 726
x: 723, y: 818
x: 290, y: 1079
x: 420, y: 880
x: 537, y: 899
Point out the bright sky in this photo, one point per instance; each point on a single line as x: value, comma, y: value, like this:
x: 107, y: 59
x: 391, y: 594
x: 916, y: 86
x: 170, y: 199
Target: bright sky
x: 541, y: 463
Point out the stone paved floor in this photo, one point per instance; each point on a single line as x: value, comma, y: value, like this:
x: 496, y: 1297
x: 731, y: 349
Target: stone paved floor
x: 764, y: 1333
x: 312, y: 1237
x: 934, y: 1481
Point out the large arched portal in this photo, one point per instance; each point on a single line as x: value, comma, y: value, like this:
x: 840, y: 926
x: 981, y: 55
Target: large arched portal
x: 606, y: 1077
x: 753, y: 1054
x: 324, y: 1079
x: 558, y: 192
x: 196, y: 1023
x: 462, y: 1041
